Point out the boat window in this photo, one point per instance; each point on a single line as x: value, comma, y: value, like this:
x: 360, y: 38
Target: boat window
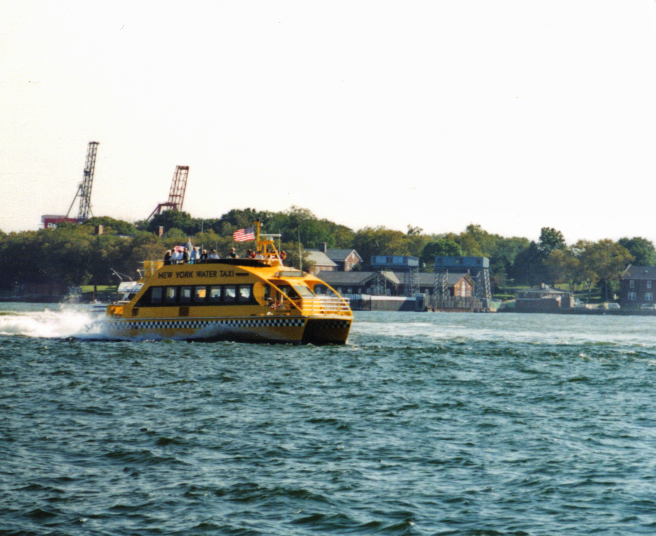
x: 200, y: 293
x: 303, y: 291
x: 171, y: 294
x: 156, y: 295
x: 245, y: 293
x: 215, y: 294
x: 288, y: 291
x: 230, y: 293
x: 185, y: 294
x: 206, y: 295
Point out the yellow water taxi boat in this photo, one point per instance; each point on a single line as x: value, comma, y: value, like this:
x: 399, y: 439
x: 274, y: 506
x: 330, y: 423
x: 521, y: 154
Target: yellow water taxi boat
x: 251, y: 299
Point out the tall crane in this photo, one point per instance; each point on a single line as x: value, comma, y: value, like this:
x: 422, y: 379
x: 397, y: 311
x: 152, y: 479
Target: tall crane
x: 177, y: 192
x: 84, y: 190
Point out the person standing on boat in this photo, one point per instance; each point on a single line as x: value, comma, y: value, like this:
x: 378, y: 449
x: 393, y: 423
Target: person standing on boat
x: 233, y: 254
x: 185, y: 256
x: 176, y: 257
x: 195, y: 255
x: 213, y: 254
x: 167, y: 258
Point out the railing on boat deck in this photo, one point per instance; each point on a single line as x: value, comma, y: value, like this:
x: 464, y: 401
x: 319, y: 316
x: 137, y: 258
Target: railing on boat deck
x: 325, y: 305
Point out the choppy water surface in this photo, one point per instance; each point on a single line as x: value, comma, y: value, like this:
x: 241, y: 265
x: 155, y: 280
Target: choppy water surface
x: 423, y: 424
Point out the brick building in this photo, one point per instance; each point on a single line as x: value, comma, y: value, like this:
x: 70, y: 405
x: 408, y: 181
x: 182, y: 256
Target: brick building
x: 637, y: 287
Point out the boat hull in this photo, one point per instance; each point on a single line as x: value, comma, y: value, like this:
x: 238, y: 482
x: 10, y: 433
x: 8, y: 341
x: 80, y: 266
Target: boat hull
x: 289, y: 329
x: 326, y: 331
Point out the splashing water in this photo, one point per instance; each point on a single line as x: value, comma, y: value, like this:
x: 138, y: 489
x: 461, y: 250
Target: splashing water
x: 67, y: 321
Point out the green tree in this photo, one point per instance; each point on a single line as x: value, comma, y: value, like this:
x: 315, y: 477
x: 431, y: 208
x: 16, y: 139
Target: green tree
x: 414, y: 231
x: 562, y: 266
x: 603, y: 261
x: 144, y: 247
x: 641, y: 249
x: 108, y: 253
x: 550, y: 240
x: 478, y: 240
x: 380, y: 241
x: 503, y: 258
x: 469, y: 246
x: 61, y: 256
x: 111, y: 226
x: 170, y: 219
x: 293, y: 225
x: 240, y: 219
x: 444, y: 247
x: 528, y: 266
x: 175, y: 235
x: 305, y: 225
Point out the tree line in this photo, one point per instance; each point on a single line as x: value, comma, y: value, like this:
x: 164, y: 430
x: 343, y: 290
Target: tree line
x: 74, y: 255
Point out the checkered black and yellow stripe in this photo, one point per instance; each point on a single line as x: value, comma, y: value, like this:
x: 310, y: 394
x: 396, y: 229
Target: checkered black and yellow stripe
x: 200, y: 324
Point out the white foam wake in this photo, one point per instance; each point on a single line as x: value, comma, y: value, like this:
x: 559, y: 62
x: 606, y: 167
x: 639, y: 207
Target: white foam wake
x: 63, y: 323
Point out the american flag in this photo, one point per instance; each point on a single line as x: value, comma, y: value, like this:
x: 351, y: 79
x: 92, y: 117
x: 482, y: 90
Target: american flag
x: 244, y: 235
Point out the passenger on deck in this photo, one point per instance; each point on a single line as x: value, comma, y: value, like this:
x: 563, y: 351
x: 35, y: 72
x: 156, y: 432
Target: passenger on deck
x: 167, y: 258
x: 195, y: 255
x: 233, y: 254
x: 203, y: 255
x: 176, y: 257
x: 186, y: 256
x: 213, y: 254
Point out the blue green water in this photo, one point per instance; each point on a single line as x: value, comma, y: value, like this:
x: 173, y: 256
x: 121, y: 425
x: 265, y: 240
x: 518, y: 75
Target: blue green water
x: 423, y: 424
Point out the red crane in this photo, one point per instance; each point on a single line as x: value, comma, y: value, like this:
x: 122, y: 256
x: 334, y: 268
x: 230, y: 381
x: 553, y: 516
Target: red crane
x: 177, y: 192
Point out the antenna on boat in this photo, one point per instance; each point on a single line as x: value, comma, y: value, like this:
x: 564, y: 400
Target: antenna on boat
x: 117, y: 274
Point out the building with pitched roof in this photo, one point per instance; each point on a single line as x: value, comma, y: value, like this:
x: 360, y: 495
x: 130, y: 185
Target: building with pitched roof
x: 392, y: 283
x: 344, y: 259
x: 457, y: 285
x: 637, y: 287
x: 362, y: 288
x: 319, y: 262
x: 543, y: 299
x: 376, y: 283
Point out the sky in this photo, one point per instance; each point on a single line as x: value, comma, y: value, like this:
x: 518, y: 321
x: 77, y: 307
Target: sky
x: 513, y: 114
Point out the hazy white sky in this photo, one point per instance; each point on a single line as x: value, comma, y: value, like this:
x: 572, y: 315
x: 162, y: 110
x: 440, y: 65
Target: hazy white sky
x: 511, y: 114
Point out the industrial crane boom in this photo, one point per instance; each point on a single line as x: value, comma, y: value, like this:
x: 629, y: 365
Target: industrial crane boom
x: 177, y: 192
x: 84, y: 190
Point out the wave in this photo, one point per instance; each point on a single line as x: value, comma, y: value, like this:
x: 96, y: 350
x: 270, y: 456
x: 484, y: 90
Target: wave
x: 67, y: 322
